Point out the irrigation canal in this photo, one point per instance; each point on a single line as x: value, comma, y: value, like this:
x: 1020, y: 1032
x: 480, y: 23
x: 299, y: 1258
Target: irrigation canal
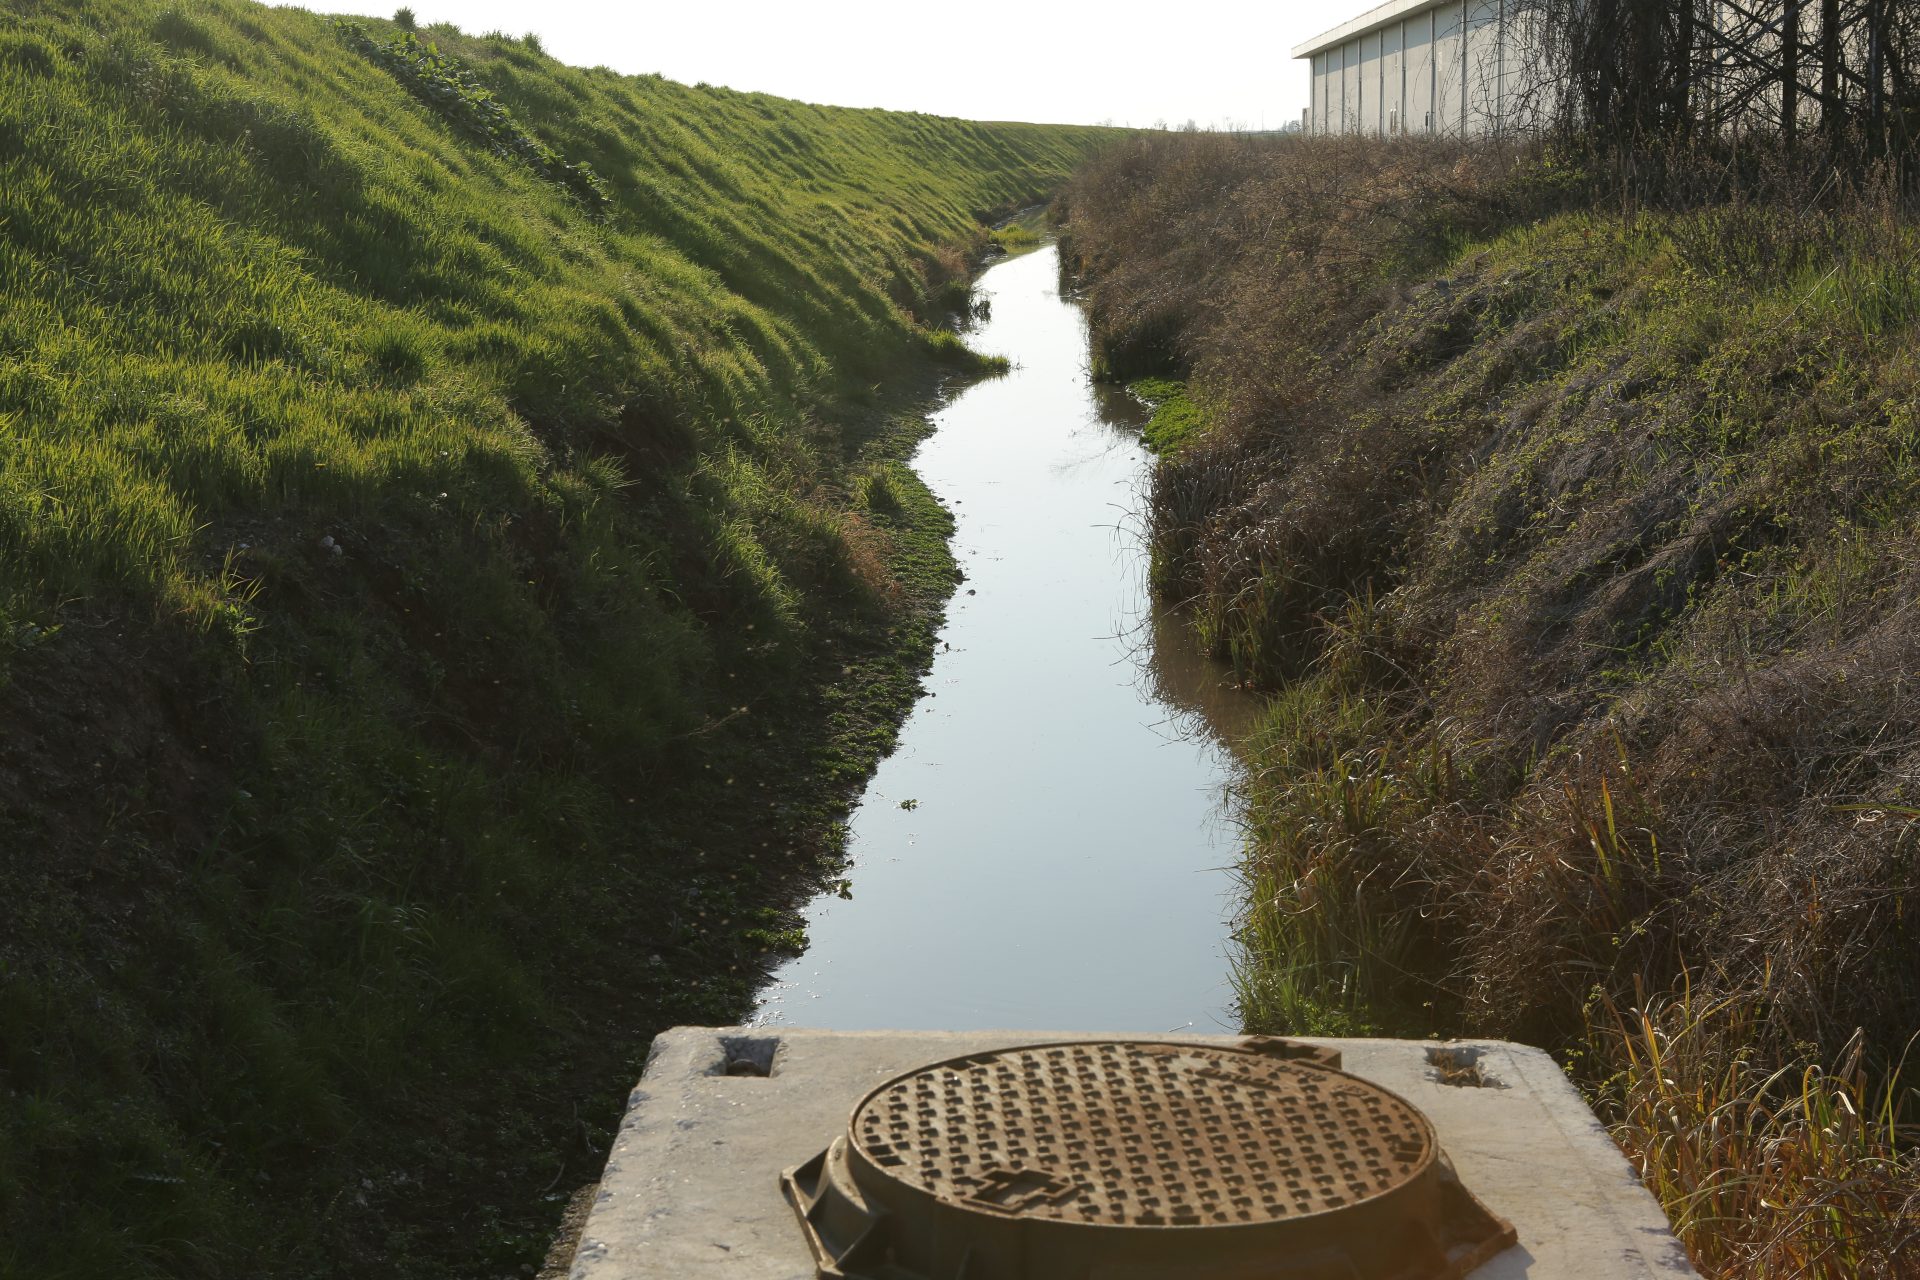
x: 1048, y: 848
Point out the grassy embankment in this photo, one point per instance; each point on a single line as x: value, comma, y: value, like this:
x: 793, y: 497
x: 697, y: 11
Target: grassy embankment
x: 1577, y: 547
x: 456, y: 558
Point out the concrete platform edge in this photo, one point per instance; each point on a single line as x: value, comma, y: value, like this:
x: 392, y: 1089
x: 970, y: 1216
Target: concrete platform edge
x: 690, y: 1190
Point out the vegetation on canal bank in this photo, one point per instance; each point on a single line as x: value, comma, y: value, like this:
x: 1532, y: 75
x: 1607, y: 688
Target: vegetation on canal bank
x: 457, y: 562
x: 1172, y: 415
x: 1574, y: 532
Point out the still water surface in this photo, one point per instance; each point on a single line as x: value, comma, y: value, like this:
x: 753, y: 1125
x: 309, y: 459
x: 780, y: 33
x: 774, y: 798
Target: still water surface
x: 1047, y: 848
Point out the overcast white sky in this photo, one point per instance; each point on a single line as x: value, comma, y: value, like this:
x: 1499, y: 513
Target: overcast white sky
x: 1221, y: 64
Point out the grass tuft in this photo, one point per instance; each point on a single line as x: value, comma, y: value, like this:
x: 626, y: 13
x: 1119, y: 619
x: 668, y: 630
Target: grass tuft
x: 1803, y: 1171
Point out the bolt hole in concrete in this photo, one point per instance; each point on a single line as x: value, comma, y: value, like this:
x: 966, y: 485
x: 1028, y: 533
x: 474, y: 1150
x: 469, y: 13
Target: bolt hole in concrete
x: 1047, y: 847
x: 749, y: 1056
x: 1459, y: 1065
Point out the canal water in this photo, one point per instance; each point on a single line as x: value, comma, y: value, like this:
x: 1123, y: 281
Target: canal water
x: 1048, y: 847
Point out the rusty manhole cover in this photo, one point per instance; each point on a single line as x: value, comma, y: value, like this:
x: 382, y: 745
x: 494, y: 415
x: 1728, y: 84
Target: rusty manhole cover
x: 1138, y: 1159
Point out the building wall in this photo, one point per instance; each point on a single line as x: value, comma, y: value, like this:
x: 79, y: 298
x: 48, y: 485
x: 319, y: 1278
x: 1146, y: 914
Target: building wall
x: 1393, y: 86
x: 1462, y: 66
x: 1443, y: 70
x: 1350, y: 99
x: 1526, y: 104
x: 1317, y: 108
x: 1370, y: 80
x: 1483, y: 71
x: 1449, y: 71
x: 1420, y: 112
x: 1336, y: 92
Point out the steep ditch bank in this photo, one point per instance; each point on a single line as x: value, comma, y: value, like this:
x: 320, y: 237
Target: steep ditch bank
x: 1576, y: 552
x: 456, y: 565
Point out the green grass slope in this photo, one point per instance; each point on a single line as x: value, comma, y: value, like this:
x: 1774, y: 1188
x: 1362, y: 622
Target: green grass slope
x: 451, y: 516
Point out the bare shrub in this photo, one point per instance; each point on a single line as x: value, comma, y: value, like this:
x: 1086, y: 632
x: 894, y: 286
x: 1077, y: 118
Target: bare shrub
x: 1802, y: 1172
x: 1634, y: 76
x: 1241, y: 259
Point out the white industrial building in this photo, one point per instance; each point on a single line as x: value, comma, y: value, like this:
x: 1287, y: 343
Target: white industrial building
x: 1419, y: 67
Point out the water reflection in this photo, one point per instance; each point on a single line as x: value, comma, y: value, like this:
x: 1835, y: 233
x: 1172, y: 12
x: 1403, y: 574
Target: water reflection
x: 1045, y: 850
x: 1200, y: 690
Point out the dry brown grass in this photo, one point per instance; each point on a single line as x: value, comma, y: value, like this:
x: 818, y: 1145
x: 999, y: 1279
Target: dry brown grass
x: 1577, y: 545
x: 1246, y: 262
x: 1801, y: 1172
x: 867, y: 550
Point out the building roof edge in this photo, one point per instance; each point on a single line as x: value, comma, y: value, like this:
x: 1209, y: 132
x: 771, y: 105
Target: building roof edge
x: 1378, y: 16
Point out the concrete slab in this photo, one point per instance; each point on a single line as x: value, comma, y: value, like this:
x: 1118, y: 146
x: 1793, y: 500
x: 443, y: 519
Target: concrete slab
x: 691, y: 1188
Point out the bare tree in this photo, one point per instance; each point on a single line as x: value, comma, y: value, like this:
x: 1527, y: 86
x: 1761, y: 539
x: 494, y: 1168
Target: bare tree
x: 1635, y: 72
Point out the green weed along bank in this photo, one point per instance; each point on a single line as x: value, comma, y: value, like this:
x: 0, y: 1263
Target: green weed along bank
x: 420, y: 584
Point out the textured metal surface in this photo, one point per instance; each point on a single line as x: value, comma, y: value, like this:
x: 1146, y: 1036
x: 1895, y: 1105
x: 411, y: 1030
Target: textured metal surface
x: 1142, y: 1134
